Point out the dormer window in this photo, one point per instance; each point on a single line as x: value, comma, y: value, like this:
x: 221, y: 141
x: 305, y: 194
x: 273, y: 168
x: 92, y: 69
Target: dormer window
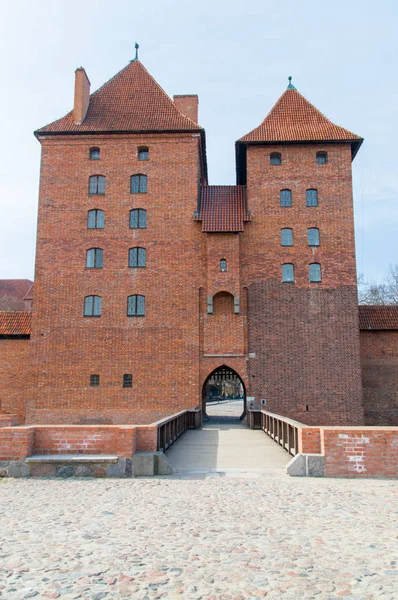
x: 95, y: 153
x: 321, y: 158
x: 275, y: 158
x: 143, y: 153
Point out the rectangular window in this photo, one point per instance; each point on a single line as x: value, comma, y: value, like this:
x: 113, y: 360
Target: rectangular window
x: 138, y: 218
x: 315, y: 273
x: 137, y: 257
x: 95, y: 219
x: 287, y: 237
x: 288, y: 273
x: 313, y: 236
x: 92, y: 306
x: 127, y: 380
x: 94, y: 380
x: 312, y: 198
x: 136, y: 306
x: 285, y: 197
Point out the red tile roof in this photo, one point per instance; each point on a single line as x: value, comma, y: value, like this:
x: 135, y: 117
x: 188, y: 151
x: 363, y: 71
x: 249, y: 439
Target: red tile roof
x: 294, y: 119
x: 131, y: 101
x: 13, y: 292
x: 378, y: 317
x: 223, y: 208
x: 15, y: 323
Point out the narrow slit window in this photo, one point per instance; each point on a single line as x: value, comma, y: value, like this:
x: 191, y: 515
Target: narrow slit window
x: 311, y: 198
x: 95, y: 219
x: 275, y: 158
x: 92, y: 306
x: 127, y: 380
x: 143, y: 153
x: 94, y: 258
x: 223, y: 265
x: 288, y: 273
x: 96, y: 184
x: 138, y: 218
x: 95, y: 153
x: 321, y: 158
x: 94, y: 380
x: 138, y: 184
x: 286, y: 237
x: 313, y: 236
x: 285, y: 197
x: 136, y: 306
x: 137, y: 257
x: 315, y: 273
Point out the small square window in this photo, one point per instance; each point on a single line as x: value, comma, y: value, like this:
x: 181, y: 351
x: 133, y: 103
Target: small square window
x: 143, y: 153
x: 94, y: 380
x: 127, y: 380
x: 95, y: 153
x: 321, y: 158
x: 275, y: 158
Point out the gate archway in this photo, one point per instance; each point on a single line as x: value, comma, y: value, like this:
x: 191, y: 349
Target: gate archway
x: 224, y: 386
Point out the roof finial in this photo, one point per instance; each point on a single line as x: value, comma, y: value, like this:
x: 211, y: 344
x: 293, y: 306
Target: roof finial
x: 136, y: 51
x: 290, y: 86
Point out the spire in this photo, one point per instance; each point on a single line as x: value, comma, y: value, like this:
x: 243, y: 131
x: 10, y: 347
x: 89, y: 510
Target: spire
x: 136, y: 46
x: 290, y: 86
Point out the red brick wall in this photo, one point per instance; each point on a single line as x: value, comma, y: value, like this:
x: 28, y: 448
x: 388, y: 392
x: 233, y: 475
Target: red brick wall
x: 15, y: 375
x: 360, y: 452
x: 16, y: 443
x: 305, y: 336
x: 160, y: 350
x: 85, y: 440
x: 379, y: 359
x: 309, y: 439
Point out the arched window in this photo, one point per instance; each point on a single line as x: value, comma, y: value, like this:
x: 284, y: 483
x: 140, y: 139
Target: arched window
x: 313, y: 236
x: 223, y: 265
x: 95, y: 153
x: 136, y: 306
x: 138, y: 184
x: 275, y: 158
x: 311, y: 198
x: 96, y: 184
x: 321, y: 158
x: 285, y: 197
x: 143, y: 153
x: 138, y: 218
x: 94, y: 258
x: 92, y: 306
x: 137, y: 257
x: 95, y: 219
x: 315, y: 273
x: 286, y: 237
x: 288, y: 273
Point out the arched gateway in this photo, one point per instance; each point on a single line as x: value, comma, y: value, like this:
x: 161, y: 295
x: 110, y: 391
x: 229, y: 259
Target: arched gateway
x: 224, y: 385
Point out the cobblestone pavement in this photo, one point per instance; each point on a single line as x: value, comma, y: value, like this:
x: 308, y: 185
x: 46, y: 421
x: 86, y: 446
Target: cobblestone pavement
x: 218, y: 538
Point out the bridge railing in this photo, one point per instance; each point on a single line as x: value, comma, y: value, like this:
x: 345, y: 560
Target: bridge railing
x: 284, y: 431
x: 170, y: 429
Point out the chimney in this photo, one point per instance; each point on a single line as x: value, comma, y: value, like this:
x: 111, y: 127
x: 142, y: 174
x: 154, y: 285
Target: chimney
x: 188, y: 105
x: 82, y: 95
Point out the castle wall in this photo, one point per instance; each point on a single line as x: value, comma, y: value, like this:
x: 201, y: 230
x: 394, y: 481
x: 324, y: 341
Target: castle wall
x: 303, y: 337
x: 15, y: 375
x: 379, y: 358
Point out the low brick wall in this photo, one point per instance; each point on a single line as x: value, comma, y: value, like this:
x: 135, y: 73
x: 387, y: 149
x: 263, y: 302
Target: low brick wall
x: 360, y: 452
x: 309, y: 440
x: 16, y: 443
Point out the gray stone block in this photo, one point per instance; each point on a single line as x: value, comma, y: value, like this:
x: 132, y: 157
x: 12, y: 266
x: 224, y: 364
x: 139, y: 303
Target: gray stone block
x: 42, y: 470
x: 315, y: 465
x: 162, y: 466
x: 65, y: 472
x: 18, y: 469
x: 83, y: 471
x: 143, y: 464
x: 120, y: 469
x: 4, y: 468
x: 297, y: 466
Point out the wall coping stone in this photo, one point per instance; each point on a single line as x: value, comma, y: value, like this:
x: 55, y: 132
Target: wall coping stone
x: 71, y: 458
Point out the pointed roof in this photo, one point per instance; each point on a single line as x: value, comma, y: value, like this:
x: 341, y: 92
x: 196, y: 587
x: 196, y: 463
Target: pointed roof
x: 132, y: 101
x: 294, y: 119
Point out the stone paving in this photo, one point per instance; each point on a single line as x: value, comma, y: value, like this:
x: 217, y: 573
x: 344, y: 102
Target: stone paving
x: 222, y: 538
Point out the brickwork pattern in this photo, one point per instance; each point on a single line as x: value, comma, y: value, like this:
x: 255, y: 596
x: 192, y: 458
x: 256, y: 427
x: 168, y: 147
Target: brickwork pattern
x: 15, y: 376
x: 379, y: 358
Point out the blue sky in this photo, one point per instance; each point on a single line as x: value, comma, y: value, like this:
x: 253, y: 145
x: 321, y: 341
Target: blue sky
x: 236, y: 56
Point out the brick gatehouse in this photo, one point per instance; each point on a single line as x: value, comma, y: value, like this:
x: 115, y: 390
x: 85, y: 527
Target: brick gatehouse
x: 148, y: 278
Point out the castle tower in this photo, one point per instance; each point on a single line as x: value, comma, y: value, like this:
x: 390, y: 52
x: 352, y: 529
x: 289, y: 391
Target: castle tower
x: 115, y: 319
x: 298, y: 263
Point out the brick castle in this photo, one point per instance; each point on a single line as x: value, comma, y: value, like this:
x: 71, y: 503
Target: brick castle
x: 149, y: 281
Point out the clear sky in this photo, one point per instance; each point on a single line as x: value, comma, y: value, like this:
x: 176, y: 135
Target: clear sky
x: 236, y: 56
